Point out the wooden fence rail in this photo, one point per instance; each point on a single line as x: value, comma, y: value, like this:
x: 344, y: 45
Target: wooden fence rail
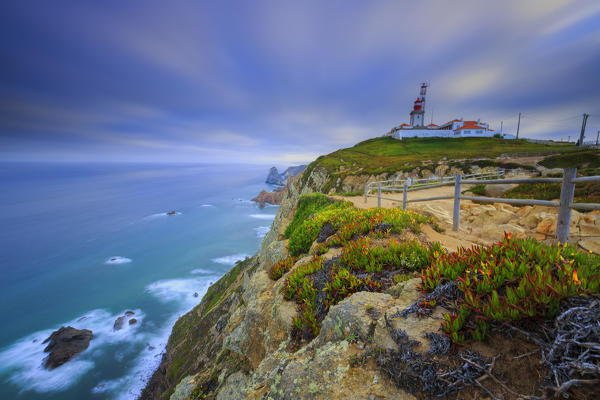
x: 565, y: 205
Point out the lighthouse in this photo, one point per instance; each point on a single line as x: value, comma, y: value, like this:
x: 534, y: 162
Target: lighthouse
x: 417, y: 115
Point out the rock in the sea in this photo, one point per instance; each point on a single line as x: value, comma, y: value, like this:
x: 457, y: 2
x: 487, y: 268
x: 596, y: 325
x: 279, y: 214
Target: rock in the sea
x: 273, y: 197
x: 129, y: 313
x: 132, y: 321
x: 172, y: 213
x: 119, y: 322
x: 65, y: 344
x: 274, y: 178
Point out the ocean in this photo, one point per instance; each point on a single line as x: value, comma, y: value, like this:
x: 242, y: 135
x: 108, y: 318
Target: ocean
x: 84, y: 243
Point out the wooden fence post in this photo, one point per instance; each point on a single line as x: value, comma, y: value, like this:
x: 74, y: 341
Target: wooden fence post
x: 379, y: 195
x: 366, y: 191
x: 404, y: 193
x: 456, y: 214
x: 567, y: 191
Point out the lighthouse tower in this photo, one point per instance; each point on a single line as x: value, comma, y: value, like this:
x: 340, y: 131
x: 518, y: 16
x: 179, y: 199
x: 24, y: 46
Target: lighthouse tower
x: 417, y: 115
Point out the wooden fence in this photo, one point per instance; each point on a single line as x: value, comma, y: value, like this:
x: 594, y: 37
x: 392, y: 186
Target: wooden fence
x: 565, y: 205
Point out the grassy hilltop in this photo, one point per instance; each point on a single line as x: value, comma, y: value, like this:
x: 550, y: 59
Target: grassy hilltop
x: 386, y: 154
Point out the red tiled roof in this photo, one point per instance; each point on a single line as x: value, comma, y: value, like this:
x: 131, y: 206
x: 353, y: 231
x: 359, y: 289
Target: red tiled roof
x: 405, y: 125
x: 432, y: 125
x: 471, y: 125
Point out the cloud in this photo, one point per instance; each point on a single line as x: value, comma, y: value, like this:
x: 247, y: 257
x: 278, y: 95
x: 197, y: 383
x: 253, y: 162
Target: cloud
x: 286, y: 80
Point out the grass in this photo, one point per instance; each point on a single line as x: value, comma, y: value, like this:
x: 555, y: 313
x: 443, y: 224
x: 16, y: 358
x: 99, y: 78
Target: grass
x: 388, y: 155
x: 584, y: 159
x: 509, y: 281
x: 316, y: 209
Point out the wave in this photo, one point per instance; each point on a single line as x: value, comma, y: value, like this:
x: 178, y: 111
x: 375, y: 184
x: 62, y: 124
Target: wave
x: 261, y: 231
x: 230, y: 260
x: 23, y: 361
x: 162, y: 214
x: 117, y: 260
x: 207, y: 205
x: 263, y: 216
x: 147, y: 361
x: 201, y: 271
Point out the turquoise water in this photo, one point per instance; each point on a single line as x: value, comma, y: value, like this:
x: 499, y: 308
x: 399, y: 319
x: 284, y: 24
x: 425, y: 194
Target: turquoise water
x: 62, y: 224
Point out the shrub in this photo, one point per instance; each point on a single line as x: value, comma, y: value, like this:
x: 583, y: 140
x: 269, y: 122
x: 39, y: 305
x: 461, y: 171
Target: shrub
x: 296, y: 280
x: 307, y: 205
x: 511, y: 280
x: 351, y: 223
x: 281, y: 267
x: 361, y: 255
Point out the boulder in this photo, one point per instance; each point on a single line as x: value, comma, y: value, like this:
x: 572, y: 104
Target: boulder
x: 129, y: 313
x: 64, y: 344
x: 119, y: 322
x: 498, y: 190
x: 172, y: 212
x: 547, y: 225
x: 501, y: 217
x: 530, y: 221
x: 132, y: 321
x: 592, y: 245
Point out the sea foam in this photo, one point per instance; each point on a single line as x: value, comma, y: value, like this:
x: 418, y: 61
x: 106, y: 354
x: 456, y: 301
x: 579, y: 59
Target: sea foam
x: 22, y: 361
x: 261, y: 231
x: 117, y: 260
x: 230, y: 260
x: 148, y: 360
x: 263, y: 216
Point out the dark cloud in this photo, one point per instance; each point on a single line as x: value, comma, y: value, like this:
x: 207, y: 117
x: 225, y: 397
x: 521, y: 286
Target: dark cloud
x: 282, y: 81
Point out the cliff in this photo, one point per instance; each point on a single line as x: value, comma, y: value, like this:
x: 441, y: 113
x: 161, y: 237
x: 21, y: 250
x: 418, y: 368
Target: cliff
x: 299, y: 320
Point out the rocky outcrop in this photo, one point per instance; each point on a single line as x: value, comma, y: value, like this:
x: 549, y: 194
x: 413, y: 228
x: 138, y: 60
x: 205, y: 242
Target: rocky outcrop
x: 293, y: 171
x: 64, y: 344
x: 274, y: 177
x: 119, y: 323
x: 265, y: 197
x: 490, y: 221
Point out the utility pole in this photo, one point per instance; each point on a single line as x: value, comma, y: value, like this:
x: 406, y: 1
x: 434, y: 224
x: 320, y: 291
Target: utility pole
x: 597, y: 137
x: 501, y: 123
x: 582, y: 134
x: 518, y: 125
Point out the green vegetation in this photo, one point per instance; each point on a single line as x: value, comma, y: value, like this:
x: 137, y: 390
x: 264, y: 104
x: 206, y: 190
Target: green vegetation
x: 278, y: 269
x: 216, y: 291
x: 307, y: 205
x: 364, y: 264
x: 509, y: 281
x: 478, y: 190
x: 349, y: 222
x: 388, y: 155
x: 362, y: 255
x: 584, y: 159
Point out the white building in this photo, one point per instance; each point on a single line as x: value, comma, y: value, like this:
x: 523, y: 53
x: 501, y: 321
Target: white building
x: 454, y: 128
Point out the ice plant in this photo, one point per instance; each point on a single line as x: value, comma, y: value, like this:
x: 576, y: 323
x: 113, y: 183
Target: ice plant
x: 510, y: 280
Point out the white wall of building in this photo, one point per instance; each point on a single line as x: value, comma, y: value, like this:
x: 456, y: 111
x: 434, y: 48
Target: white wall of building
x: 408, y: 133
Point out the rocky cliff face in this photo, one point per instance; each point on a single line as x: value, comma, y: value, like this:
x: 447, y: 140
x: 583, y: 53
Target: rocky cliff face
x: 237, y: 344
x: 240, y: 319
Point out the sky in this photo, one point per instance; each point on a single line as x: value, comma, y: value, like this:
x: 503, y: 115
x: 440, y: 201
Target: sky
x: 282, y: 82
